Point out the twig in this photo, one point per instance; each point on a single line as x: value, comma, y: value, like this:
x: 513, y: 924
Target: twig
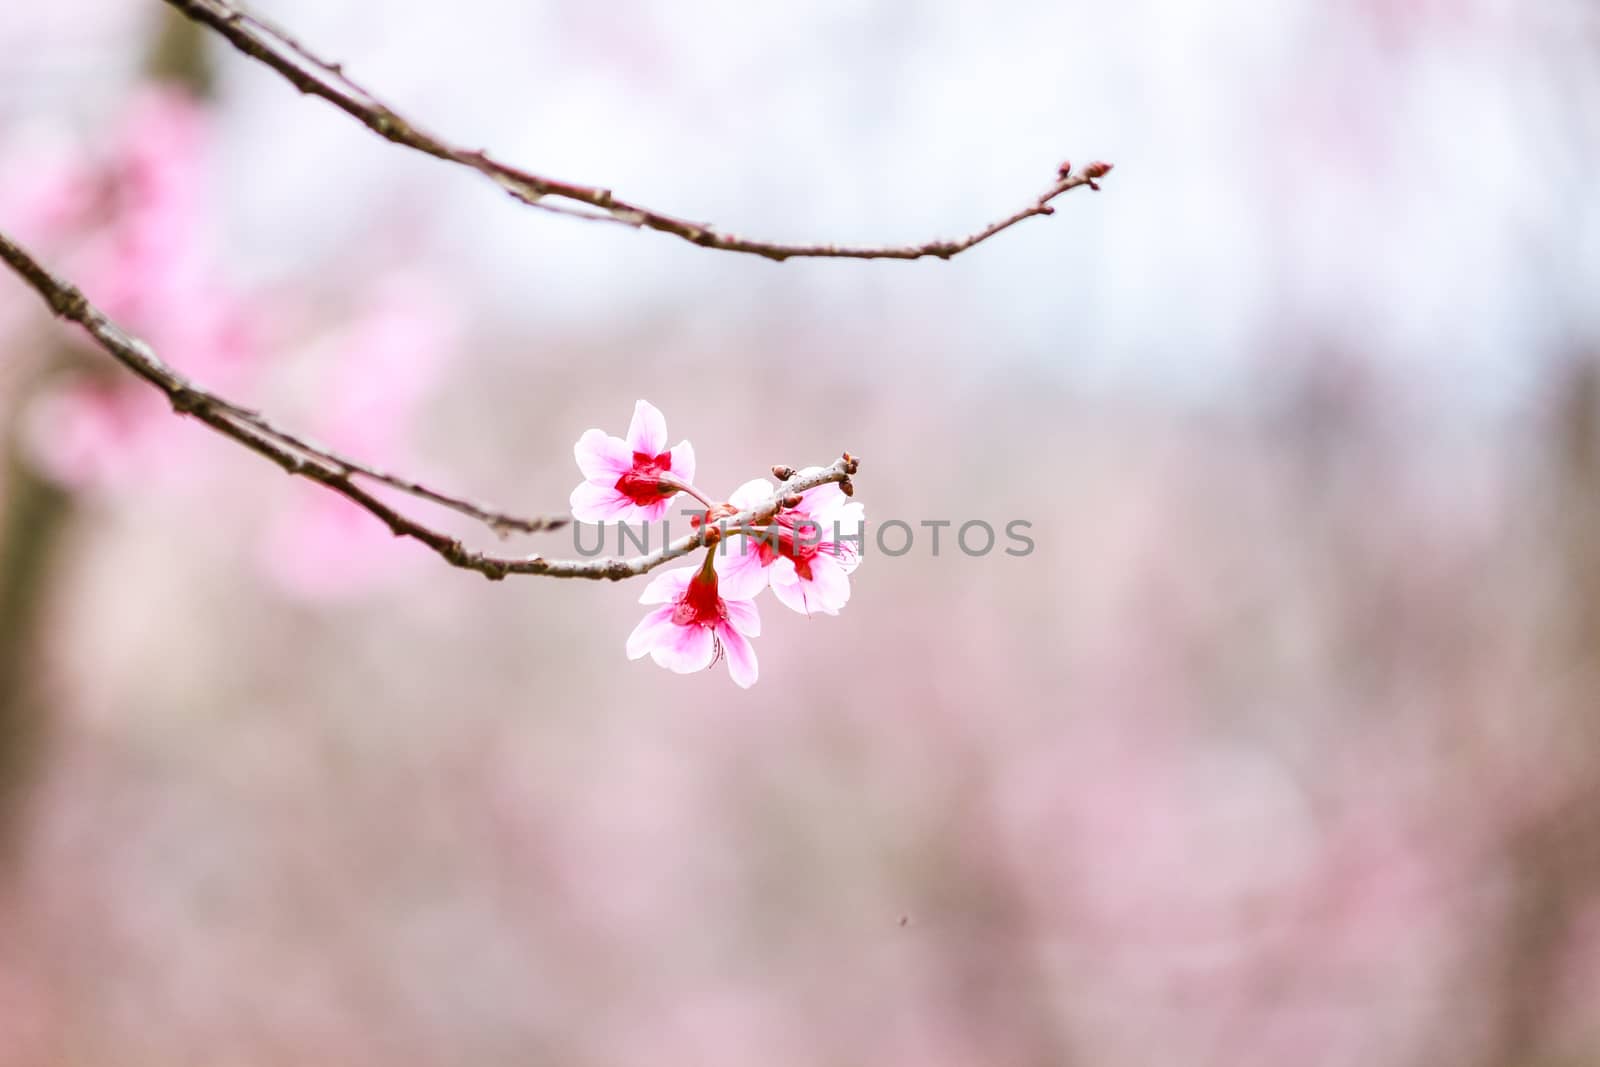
x: 299, y: 456
x: 498, y: 521
x: 320, y: 77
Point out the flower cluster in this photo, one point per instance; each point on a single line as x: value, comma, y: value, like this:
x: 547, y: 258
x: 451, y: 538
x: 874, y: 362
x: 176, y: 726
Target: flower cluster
x: 806, y: 548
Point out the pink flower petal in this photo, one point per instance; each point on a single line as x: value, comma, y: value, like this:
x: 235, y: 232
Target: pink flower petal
x: 647, y: 432
x: 740, y: 573
x: 743, y: 616
x: 688, y: 650
x: 601, y: 457
x: 667, y: 586
x: 845, y: 527
x: 846, y: 553
x: 787, y: 586
x: 683, y: 460
x: 741, y: 656
x: 797, y: 594
x: 816, y: 502
x: 592, y: 502
x: 751, y: 493
x: 830, y: 583
x: 654, y: 511
x: 654, y: 629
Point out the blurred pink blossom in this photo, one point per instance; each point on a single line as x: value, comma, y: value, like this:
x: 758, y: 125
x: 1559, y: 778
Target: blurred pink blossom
x: 130, y: 224
x: 378, y: 371
x: 52, y: 194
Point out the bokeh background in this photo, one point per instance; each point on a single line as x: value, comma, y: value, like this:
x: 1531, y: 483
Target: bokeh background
x: 1283, y: 746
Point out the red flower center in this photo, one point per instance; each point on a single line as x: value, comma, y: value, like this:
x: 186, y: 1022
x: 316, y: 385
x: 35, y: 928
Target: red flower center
x: 783, y: 539
x: 642, y: 483
x: 700, y: 604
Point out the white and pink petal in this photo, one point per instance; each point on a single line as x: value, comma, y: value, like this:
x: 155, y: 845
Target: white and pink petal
x: 602, y: 457
x: 751, y: 494
x: 741, y: 656
x: 683, y: 461
x: 686, y: 650
x: 740, y: 573
x: 829, y: 582
x: 787, y: 586
x: 667, y: 586
x: 817, y: 501
x: 654, y: 511
x: 647, y: 432
x: 743, y: 616
x: 653, y: 630
x: 594, y: 502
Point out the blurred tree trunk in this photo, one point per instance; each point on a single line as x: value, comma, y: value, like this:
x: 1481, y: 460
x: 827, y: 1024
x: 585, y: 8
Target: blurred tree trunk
x: 34, y: 514
x: 1553, y: 853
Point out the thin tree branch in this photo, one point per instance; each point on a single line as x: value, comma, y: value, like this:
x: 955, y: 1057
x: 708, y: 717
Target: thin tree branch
x: 299, y: 456
x: 498, y: 521
x: 316, y: 76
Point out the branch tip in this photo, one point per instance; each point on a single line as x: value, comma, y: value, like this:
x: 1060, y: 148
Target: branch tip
x: 327, y: 79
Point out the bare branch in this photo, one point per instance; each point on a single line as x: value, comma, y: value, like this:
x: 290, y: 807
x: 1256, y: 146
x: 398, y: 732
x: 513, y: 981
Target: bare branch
x: 498, y: 521
x: 299, y: 456
x: 320, y: 77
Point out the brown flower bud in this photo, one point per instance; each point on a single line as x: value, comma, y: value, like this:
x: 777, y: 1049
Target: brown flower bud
x: 791, y: 501
x: 1097, y: 169
x: 848, y: 487
x: 782, y: 473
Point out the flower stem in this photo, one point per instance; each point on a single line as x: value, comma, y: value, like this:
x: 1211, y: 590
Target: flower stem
x: 684, y: 487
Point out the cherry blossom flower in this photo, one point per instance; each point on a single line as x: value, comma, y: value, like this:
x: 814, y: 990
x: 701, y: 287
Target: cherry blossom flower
x: 696, y: 623
x: 806, y: 554
x: 634, y: 478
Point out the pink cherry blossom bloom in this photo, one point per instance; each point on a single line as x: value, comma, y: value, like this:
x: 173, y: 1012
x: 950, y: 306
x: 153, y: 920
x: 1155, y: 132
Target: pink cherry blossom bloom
x: 634, y: 478
x: 695, y: 623
x: 806, y: 554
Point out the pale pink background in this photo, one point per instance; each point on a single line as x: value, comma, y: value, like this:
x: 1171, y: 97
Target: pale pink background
x: 1279, y: 749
